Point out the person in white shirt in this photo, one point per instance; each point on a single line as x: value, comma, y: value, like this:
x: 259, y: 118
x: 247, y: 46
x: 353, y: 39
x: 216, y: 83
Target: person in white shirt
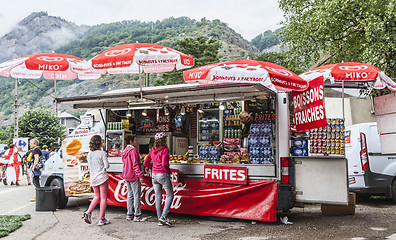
x: 98, y: 165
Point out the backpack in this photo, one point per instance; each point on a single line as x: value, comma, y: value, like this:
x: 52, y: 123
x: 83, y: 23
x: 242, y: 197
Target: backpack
x: 40, y: 163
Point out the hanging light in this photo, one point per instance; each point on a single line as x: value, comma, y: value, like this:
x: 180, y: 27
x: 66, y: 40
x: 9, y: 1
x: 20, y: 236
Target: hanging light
x: 183, y: 110
x: 221, y: 107
x: 144, y: 113
x: 158, y: 114
x: 128, y: 115
x: 166, y: 111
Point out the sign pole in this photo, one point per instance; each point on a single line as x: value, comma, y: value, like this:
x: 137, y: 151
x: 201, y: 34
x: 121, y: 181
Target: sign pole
x: 16, y: 109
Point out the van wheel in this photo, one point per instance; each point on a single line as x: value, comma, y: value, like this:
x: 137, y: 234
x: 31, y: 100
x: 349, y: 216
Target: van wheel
x: 62, y: 202
x: 393, y: 190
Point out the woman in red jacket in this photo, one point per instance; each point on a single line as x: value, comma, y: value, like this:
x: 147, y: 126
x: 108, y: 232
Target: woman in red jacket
x: 133, y: 177
x: 159, y: 154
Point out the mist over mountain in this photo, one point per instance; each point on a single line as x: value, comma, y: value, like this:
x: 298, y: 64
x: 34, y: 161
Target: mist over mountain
x: 38, y: 33
x: 41, y: 33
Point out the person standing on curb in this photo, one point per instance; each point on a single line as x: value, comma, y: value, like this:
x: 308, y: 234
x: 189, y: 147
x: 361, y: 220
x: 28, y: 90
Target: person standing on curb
x: 133, y: 176
x: 13, y: 168
x: 159, y: 154
x: 98, y: 165
x: 36, y: 153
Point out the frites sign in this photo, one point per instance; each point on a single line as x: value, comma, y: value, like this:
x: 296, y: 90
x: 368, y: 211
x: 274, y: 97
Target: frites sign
x: 309, y: 110
x: 225, y: 174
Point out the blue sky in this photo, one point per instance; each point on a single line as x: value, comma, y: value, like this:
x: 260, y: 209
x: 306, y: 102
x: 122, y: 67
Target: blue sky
x: 249, y: 18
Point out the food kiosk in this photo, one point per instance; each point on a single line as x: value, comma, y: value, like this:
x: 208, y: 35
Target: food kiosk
x: 213, y: 171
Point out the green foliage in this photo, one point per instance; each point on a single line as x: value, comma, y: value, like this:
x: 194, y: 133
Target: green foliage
x: 43, y: 125
x: 29, y: 92
x: 203, y: 50
x: 10, y: 223
x: 267, y: 39
x: 103, y: 36
x: 351, y: 30
x: 6, y: 134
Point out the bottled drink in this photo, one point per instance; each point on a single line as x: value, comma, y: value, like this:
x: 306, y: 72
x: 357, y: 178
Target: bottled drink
x: 252, y: 129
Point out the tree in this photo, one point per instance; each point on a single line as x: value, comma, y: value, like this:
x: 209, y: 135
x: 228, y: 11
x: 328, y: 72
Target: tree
x: 43, y: 125
x: 347, y: 30
x: 203, y: 50
x: 266, y: 39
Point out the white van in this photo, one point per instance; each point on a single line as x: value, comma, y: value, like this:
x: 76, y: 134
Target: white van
x: 370, y: 172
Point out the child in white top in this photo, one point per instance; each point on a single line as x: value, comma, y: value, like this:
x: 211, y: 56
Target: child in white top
x: 98, y: 163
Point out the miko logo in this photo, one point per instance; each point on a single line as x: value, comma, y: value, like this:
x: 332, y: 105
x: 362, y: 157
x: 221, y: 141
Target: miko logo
x: 355, y: 72
x: 113, y: 53
x: 353, y: 68
x: 50, y: 59
x: 283, y: 72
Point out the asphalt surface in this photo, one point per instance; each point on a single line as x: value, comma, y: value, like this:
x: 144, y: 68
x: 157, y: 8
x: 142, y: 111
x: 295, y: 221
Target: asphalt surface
x: 375, y: 218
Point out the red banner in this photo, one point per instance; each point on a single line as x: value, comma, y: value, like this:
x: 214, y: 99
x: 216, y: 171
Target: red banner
x: 225, y: 174
x: 232, y: 141
x: 255, y: 201
x: 309, y: 110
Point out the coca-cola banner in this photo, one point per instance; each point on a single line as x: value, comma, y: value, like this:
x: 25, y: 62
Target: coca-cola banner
x: 255, y: 201
x: 309, y: 110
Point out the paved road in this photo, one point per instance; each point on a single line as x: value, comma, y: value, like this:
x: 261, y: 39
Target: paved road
x: 374, y: 219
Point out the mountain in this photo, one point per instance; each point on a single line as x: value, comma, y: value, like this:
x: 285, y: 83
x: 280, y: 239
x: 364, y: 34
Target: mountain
x: 39, y: 33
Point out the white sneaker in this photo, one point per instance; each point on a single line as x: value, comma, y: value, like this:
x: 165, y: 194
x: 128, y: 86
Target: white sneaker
x: 87, y: 217
x: 103, y: 222
x: 164, y: 221
x: 129, y: 217
x: 139, y: 218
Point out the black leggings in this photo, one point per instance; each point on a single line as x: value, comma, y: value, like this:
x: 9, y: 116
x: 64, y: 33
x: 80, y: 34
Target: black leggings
x: 36, y: 181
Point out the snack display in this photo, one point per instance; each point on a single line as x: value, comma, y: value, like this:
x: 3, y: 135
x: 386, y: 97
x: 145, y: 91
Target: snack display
x: 329, y: 139
x: 178, y: 158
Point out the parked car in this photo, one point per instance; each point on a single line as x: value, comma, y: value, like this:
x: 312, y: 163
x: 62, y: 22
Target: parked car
x: 370, y: 172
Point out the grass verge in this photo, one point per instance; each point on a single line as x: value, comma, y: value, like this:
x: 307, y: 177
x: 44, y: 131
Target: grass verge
x: 10, y: 223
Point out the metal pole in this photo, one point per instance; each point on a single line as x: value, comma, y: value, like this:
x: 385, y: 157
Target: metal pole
x: 56, y: 103
x: 16, y: 109
x: 343, y: 105
x: 140, y: 81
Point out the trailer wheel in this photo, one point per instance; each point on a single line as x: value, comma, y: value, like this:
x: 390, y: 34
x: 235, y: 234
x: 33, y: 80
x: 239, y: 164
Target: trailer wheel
x: 393, y: 190
x: 62, y: 202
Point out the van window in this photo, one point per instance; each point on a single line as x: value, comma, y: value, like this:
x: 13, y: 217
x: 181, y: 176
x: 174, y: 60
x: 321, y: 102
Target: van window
x: 373, y: 141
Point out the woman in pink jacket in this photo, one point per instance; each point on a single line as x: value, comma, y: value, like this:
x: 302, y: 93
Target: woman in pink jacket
x: 133, y: 177
x: 159, y: 154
